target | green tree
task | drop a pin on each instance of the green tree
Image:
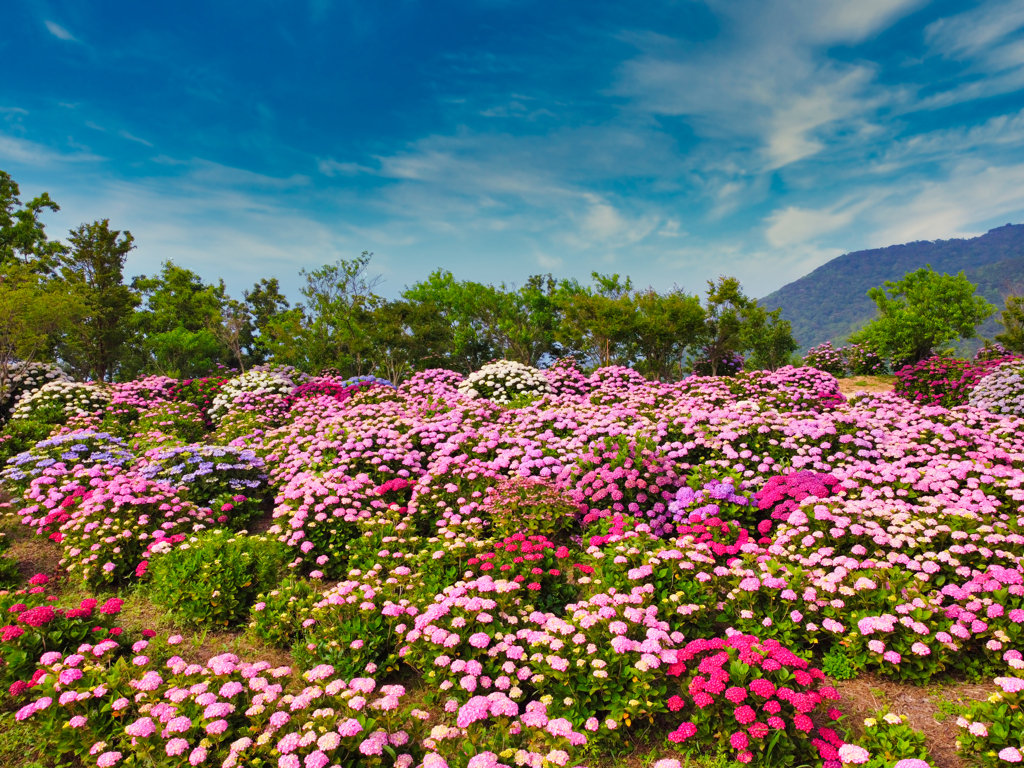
(32, 312)
(726, 308)
(22, 235)
(768, 337)
(464, 307)
(920, 313)
(406, 337)
(665, 327)
(331, 328)
(93, 269)
(1012, 320)
(263, 303)
(599, 321)
(176, 324)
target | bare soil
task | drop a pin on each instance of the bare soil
(856, 384)
(927, 709)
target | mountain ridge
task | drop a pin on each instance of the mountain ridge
(831, 301)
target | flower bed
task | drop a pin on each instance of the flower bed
(569, 572)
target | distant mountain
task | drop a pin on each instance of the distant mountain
(831, 302)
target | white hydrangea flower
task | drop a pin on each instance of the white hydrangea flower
(502, 380)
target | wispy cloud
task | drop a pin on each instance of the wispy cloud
(125, 135)
(59, 32)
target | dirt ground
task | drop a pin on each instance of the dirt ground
(866, 384)
(928, 709)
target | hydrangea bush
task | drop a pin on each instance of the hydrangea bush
(567, 574)
(229, 480)
(504, 381)
(58, 401)
(1002, 390)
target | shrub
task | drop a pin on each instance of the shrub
(25, 377)
(76, 449)
(56, 402)
(535, 562)
(229, 480)
(353, 626)
(991, 350)
(945, 381)
(526, 505)
(107, 532)
(1002, 390)
(224, 712)
(38, 625)
(280, 615)
(696, 502)
(19, 436)
(214, 578)
(253, 382)
(8, 566)
(992, 731)
(737, 692)
(504, 381)
(889, 739)
(862, 360)
(199, 392)
(826, 358)
(566, 378)
(181, 419)
(782, 494)
(729, 365)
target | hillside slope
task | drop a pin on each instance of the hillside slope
(832, 301)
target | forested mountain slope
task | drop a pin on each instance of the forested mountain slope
(831, 301)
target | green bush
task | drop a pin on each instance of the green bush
(889, 739)
(214, 578)
(19, 436)
(278, 615)
(182, 419)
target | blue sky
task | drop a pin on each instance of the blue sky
(672, 141)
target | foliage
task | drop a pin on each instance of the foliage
(1001, 390)
(93, 270)
(826, 358)
(1012, 320)
(26, 377)
(504, 381)
(921, 312)
(229, 480)
(56, 402)
(255, 382)
(220, 708)
(198, 392)
(76, 449)
(992, 731)
(175, 323)
(37, 625)
(863, 360)
(33, 311)
(889, 739)
(945, 381)
(22, 235)
(214, 578)
(181, 420)
(753, 699)
(279, 616)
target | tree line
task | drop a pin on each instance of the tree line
(71, 303)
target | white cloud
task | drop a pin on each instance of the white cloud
(59, 32)
(125, 135)
(32, 153)
(794, 225)
(330, 167)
